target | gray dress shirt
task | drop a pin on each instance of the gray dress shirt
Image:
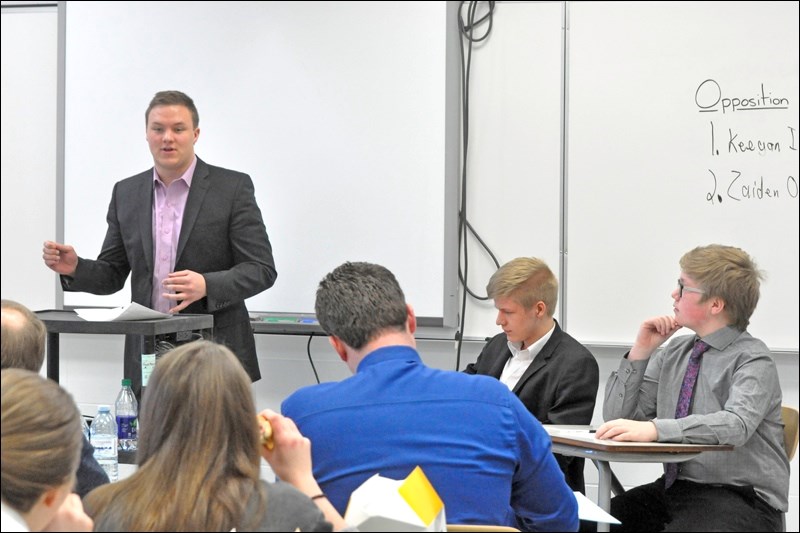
(737, 400)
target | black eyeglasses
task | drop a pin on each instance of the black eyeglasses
(682, 288)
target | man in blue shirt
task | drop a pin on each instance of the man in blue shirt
(488, 458)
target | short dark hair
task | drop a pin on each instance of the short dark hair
(358, 301)
(23, 337)
(173, 98)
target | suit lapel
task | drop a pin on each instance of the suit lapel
(197, 192)
(145, 214)
(541, 359)
(496, 369)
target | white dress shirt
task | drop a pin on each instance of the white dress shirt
(11, 519)
(520, 359)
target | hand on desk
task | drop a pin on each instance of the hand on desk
(623, 429)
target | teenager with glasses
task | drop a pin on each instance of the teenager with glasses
(726, 382)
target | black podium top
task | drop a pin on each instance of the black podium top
(58, 321)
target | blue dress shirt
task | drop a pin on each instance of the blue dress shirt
(488, 458)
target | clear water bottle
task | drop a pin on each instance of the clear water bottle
(126, 410)
(86, 429)
(104, 439)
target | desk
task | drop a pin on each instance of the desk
(58, 322)
(576, 441)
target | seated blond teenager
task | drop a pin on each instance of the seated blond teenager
(199, 457)
(41, 446)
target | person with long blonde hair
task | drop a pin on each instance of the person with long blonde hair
(199, 457)
(41, 447)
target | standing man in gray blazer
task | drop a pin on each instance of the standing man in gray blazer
(190, 234)
(553, 374)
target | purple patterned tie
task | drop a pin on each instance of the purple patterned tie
(685, 399)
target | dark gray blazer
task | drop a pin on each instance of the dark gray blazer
(559, 387)
(222, 237)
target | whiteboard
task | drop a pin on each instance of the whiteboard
(29, 99)
(648, 178)
(337, 110)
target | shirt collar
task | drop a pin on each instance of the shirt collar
(12, 519)
(722, 338)
(533, 350)
(388, 354)
(186, 176)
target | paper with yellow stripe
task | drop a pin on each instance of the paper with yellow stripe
(382, 504)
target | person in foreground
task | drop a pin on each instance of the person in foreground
(199, 457)
(41, 446)
(554, 375)
(23, 342)
(487, 457)
(190, 234)
(736, 400)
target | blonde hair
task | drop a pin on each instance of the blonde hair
(527, 280)
(728, 273)
(198, 455)
(41, 437)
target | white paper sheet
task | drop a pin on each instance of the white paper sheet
(132, 311)
(588, 510)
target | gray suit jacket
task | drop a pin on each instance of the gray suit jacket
(222, 237)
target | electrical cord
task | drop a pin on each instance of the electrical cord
(310, 360)
(467, 33)
(163, 345)
(488, 251)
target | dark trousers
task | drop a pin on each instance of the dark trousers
(689, 506)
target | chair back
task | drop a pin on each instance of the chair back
(478, 527)
(790, 429)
